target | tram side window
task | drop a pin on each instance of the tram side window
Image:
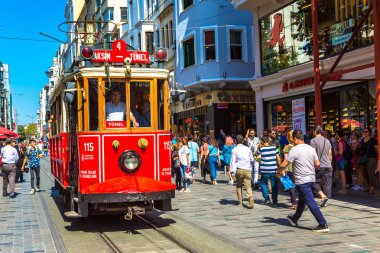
(115, 105)
(93, 93)
(160, 105)
(140, 103)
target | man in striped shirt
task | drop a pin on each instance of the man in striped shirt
(268, 166)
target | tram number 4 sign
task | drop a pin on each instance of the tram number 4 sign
(119, 53)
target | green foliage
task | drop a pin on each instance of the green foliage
(21, 132)
(31, 131)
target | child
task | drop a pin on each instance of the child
(189, 177)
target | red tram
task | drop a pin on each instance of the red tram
(110, 139)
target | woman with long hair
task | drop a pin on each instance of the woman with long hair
(213, 154)
(289, 169)
(340, 146)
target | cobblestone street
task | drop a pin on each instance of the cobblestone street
(353, 220)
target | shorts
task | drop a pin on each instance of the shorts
(194, 164)
(340, 165)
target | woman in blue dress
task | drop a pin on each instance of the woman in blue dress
(213, 154)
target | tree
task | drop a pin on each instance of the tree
(31, 131)
(21, 132)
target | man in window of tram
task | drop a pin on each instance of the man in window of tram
(115, 109)
(143, 114)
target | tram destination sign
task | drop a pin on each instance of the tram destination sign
(119, 53)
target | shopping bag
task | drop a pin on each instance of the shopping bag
(287, 182)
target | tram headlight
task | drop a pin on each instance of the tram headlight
(129, 161)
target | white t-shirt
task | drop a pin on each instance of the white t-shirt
(115, 113)
(303, 157)
(183, 152)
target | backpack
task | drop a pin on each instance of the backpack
(348, 153)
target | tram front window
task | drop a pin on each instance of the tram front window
(140, 103)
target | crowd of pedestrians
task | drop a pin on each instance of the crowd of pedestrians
(17, 159)
(308, 165)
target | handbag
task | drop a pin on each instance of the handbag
(287, 182)
(177, 163)
(364, 159)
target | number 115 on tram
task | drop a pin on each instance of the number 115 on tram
(110, 138)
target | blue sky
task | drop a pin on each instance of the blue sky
(28, 53)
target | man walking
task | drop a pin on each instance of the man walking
(269, 161)
(324, 152)
(34, 155)
(9, 158)
(253, 143)
(241, 166)
(304, 160)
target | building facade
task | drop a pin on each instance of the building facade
(214, 62)
(6, 108)
(285, 85)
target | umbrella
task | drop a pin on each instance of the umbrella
(8, 133)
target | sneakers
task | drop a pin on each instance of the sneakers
(321, 229)
(214, 182)
(266, 202)
(187, 190)
(231, 182)
(292, 221)
(32, 191)
(37, 189)
(357, 188)
(324, 202)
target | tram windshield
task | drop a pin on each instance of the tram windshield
(137, 98)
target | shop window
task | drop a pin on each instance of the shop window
(353, 112)
(189, 52)
(236, 44)
(140, 104)
(209, 40)
(281, 115)
(286, 35)
(330, 112)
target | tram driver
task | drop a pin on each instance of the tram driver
(115, 109)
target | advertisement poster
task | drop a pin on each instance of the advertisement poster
(299, 115)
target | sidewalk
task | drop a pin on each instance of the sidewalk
(23, 223)
(353, 220)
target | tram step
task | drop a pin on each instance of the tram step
(72, 214)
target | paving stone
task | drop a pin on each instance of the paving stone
(266, 229)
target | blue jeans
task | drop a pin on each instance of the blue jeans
(264, 187)
(213, 166)
(185, 182)
(306, 197)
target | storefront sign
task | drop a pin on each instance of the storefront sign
(299, 115)
(235, 98)
(222, 106)
(307, 82)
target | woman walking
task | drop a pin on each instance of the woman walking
(184, 158)
(289, 169)
(214, 159)
(355, 145)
